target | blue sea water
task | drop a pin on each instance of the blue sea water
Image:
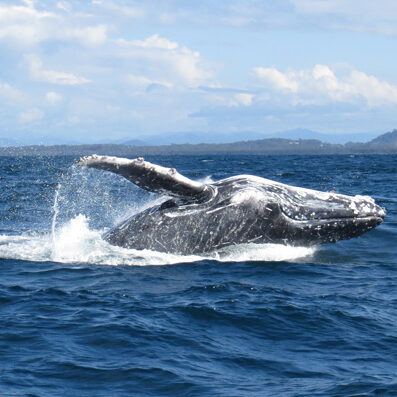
(82, 318)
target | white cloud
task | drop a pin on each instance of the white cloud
(26, 26)
(126, 11)
(23, 23)
(155, 41)
(228, 98)
(279, 80)
(31, 115)
(377, 92)
(90, 35)
(187, 64)
(167, 61)
(64, 6)
(242, 99)
(50, 76)
(321, 84)
(22, 12)
(53, 98)
(10, 94)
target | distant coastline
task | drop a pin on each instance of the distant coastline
(383, 144)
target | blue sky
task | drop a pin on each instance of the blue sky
(109, 69)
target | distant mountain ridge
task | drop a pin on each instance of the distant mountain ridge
(300, 133)
(187, 138)
(210, 137)
(384, 144)
(390, 138)
(192, 138)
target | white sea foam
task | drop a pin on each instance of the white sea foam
(206, 180)
(75, 242)
(87, 202)
(264, 252)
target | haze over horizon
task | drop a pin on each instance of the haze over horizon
(84, 71)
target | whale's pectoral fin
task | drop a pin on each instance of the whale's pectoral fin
(151, 177)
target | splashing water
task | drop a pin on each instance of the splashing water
(88, 202)
(104, 198)
(75, 242)
(56, 211)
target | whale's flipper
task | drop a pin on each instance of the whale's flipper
(151, 177)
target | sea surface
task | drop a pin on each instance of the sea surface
(79, 317)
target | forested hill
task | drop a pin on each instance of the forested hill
(384, 144)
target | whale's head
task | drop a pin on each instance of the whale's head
(328, 217)
(300, 216)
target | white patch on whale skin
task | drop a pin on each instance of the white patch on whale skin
(292, 198)
(249, 194)
(177, 213)
(364, 206)
(261, 183)
(158, 169)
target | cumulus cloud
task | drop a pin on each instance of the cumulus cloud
(277, 79)
(164, 74)
(51, 76)
(322, 84)
(22, 12)
(167, 61)
(188, 65)
(155, 41)
(227, 99)
(23, 23)
(26, 25)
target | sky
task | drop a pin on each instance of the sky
(93, 70)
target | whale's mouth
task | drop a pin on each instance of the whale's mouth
(335, 218)
(312, 215)
(321, 220)
(332, 207)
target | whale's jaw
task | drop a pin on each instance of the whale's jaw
(329, 230)
(338, 217)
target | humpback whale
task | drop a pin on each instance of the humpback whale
(199, 218)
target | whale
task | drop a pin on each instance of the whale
(197, 217)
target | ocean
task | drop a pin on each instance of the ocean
(80, 317)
